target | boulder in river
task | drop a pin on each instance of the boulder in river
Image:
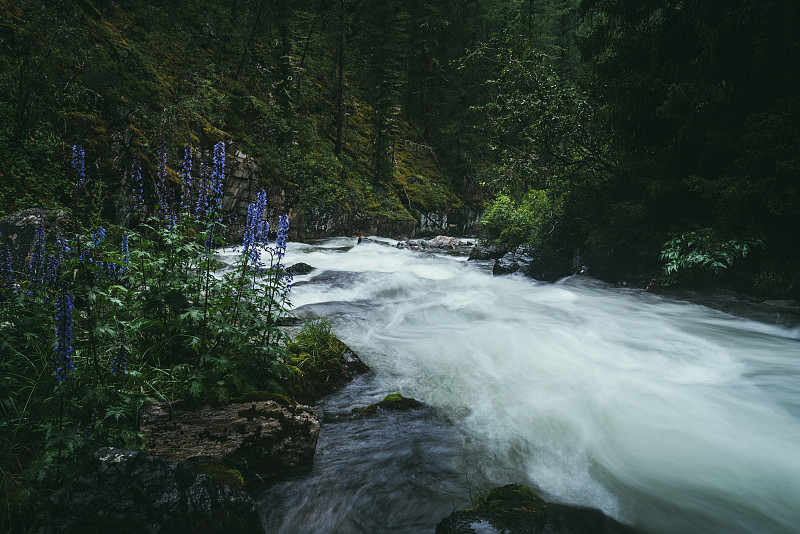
(300, 268)
(486, 252)
(517, 509)
(443, 241)
(125, 491)
(533, 262)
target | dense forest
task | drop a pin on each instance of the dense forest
(605, 132)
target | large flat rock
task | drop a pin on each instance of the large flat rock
(264, 438)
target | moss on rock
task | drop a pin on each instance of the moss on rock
(393, 401)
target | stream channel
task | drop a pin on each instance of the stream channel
(670, 413)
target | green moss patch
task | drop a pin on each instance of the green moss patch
(393, 401)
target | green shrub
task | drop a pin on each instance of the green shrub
(511, 224)
(702, 252)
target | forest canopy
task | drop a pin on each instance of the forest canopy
(640, 121)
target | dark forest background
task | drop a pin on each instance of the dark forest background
(610, 132)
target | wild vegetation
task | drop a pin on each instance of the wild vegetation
(100, 321)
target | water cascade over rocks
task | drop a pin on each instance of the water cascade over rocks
(666, 414)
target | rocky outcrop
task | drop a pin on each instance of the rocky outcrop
(130, 492)
(267, 439)
(517, 509)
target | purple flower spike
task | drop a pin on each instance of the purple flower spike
(282, 237)
(64, 349)
(188, 163)
(79, 164)
(36, 267)
(136, 176)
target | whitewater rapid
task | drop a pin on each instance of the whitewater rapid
(665, 414)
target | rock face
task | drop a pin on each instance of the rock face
(264, 438)
(18, 232)
(516, 509)
(127, 491)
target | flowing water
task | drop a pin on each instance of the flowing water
(666, 414)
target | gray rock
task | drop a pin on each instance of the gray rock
(301, 268)
(506, 264)
(443, 241)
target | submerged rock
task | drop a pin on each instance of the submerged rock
(300, 268)
(394, 402)
(268, 438)
(127, 491)
(517, 509)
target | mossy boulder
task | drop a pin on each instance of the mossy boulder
(517, 509)
(393, 402)
(216, 469)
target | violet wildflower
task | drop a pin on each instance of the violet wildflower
(256, 232)
(188, 160)
(79, 164)
(36, 267)
(202, 206)
(218, 176)
(64, 349)
(288, 279)
(126, 252)
(163, 190)
(56, 260)
(136, 178)
(98, 236)
(282, 237)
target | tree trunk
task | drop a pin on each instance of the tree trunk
(340, 83)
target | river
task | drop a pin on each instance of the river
(670, 415)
